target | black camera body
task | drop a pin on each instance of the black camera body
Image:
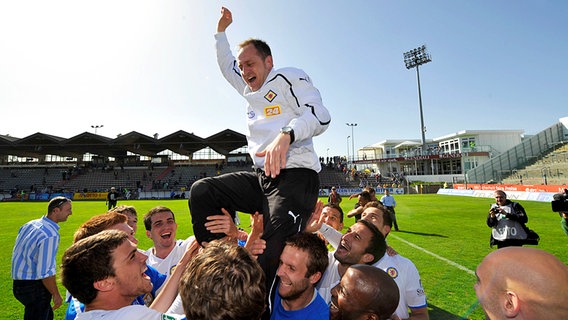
(560, 202)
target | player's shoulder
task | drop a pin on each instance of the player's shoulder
(293, 74)
(404, 262)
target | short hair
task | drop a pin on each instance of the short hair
(261, 47)
(387, 220)
(316, 249)
(365, 195)
(377, 244)
(223, 282)
(125, 209)
(98, 223)
(56, 202)
(382, 290)
(90, 260)
(148, 216)
(500, 192)
(370, 190)
(336, 207)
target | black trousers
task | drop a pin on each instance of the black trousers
(286, 203)
(35, 297)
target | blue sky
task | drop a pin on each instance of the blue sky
(149, 66)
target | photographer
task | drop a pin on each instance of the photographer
(560, 205)
(507, 220)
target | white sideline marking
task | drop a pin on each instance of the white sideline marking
(450, 262)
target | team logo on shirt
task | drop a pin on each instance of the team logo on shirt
(251, 114)
(271, 111)
(392, 272)
(270, 95)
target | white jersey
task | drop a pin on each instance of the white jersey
(127, 313)
(406, 276)
(287, 98)
(329, 279)
(168, 264)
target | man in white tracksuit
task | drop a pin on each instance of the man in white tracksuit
(284, 112)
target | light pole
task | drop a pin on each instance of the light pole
(96, 127)
(352, 140)
(348, 151)
(415, 58)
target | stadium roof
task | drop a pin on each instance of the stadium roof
(181, 142)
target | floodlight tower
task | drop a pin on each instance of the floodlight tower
(415, 58)
(352, 141)
(97, 126)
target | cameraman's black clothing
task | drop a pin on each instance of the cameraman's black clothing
(517, 213)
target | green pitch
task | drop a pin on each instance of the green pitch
(445, 236)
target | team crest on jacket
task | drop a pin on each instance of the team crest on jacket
(270, 95)
(392, 272)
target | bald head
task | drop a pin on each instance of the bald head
(522, 283)
(364, 290)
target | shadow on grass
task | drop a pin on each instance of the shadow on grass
(441, 314)
(420, 233)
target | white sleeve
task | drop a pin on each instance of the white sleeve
(331, 235)
(415, 295)
(314, 118)
(227, 63)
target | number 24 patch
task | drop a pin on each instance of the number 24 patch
(271, 111)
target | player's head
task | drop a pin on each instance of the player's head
(365, 292)
(106, 221)
(130, 213)
(223, 282)
(362, 243)
(161, 226)
(379, 216)
(105, 265)
(333, 216)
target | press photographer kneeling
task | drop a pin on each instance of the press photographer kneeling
(507, 220)
(560, 205)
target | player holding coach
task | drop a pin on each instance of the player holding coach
(284, 112)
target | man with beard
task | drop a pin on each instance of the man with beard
(362, 244)
(302, 264)
(522, 283)
(364, 292)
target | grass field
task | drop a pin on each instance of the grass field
(445, 236)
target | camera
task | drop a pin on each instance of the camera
(560, 202)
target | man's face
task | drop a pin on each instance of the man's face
(129, 265)
(485, 289)
(375, 216)
(62, 212)
(500, 199)
(126, 228)
(332, 217)
(164, 229)
(254, 69)
(292, 273)
(132, 221)
(353, 245)
(346, 298)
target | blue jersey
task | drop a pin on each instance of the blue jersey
(316, 310)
